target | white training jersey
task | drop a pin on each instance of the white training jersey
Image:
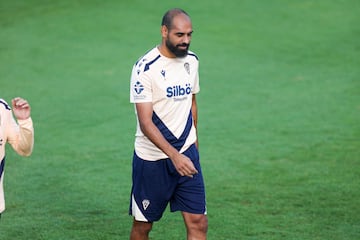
(20, 136)
(169, 84)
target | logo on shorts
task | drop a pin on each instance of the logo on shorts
(145, 203)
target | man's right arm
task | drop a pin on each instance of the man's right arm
(183, 164)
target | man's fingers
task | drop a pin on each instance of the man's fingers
(185, 166)
(188, 172)
(192, 173)
(20, 103)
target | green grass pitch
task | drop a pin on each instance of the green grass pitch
(279, 116)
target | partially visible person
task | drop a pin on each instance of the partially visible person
(18, 132)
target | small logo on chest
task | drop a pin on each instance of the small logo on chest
(163, 73)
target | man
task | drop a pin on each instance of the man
(19, 135)
(166, 166)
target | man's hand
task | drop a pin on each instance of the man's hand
(21, 108)
(184, 166)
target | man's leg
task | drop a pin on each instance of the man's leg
(140, 230)
(196, 226)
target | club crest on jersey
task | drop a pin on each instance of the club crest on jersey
(138, 87)
(187, 67)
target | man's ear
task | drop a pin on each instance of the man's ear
(164, 31)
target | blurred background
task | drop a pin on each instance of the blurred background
(279, 112)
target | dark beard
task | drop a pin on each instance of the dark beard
(175, 49)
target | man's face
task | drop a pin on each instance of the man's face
(179, 36)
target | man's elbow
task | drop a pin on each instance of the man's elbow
(143, 127)
(25, 152)
(25, 149)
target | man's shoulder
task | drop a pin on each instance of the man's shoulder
(4, 104)
(147, 60)
(148, 56)
(193, 56)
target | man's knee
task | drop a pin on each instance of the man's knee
(142, 228)
(202, 223)
(197, 222)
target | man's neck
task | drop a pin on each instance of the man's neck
(165, 51)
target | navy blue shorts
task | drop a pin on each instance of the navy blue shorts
(157, 183)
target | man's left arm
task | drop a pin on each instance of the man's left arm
(195, 117)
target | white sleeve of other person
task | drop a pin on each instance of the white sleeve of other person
(20, 135)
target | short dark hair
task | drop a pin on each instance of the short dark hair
(169, 16)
